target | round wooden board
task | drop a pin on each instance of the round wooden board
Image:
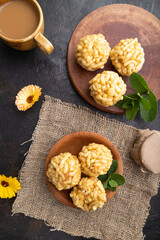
(73, 143)
(116, 22)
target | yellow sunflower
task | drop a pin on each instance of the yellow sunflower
(27, 96)
(8, 186)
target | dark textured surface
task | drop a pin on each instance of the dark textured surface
(18, 69)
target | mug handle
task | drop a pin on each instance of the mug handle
(43, 43)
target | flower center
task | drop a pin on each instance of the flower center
(4, 184)
(30, 99)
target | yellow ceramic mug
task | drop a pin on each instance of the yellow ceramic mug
(35, 39)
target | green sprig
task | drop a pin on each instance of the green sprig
(143, 100)
(111, 179)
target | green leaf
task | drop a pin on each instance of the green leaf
(113, 167)
(103, 178)
(133, 96)
(112, 189)
(105, 185)
(146, 104)
(118, 178)
(126, 105)
(126, 100)
(113, 183)
(149, 115)
(132, 111)
(120, 103)
(138, 83)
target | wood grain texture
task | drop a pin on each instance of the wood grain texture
(117, 22)
(19, 69)
(73, 143)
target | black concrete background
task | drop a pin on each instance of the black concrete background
(18, 69)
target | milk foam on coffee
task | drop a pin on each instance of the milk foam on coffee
(18, 19)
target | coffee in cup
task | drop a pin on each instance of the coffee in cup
(22, 25)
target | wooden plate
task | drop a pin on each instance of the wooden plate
(73, 143)
(116, 22)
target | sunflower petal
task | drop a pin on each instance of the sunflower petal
(9, 190)
(27, 96)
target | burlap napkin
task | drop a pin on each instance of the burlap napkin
(123, 216)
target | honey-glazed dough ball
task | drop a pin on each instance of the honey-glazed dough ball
(107, 88)
(92, 52)
(95, 159)
(89, 194)
(127, 56)
(64, 171)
